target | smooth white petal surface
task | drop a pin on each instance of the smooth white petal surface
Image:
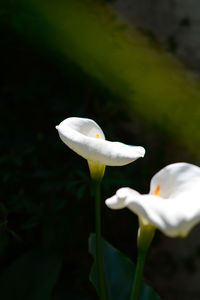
(86, 138)
(175, 179)
(176, 210)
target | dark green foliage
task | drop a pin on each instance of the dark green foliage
(31, 276)
(119, 273)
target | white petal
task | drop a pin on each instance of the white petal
(81, 134)
(175, 179)
(174, 217)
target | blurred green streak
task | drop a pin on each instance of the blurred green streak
(152, 83)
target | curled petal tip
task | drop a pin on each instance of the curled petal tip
(115, 203)
(119, 200)
(121, 194)
(142, 151)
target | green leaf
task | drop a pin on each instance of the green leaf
(119, 273)
(31, 277)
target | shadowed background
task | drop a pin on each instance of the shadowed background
(77, 58)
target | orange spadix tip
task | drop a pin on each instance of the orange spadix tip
(157, 190)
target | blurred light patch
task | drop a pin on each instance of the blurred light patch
(151, 82)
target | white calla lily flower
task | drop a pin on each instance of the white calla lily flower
(173, 203)
(85, 137)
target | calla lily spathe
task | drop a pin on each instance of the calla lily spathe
(173, 203)
(86, 138)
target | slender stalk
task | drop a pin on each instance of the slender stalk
(99, 256)
(138, 275)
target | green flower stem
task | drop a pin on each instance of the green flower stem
(138, 275)
(145, 236)
(99, 256)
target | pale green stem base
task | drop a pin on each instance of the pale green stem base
(135, 294)
(99, 256)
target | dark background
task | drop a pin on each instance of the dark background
(46, 209)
